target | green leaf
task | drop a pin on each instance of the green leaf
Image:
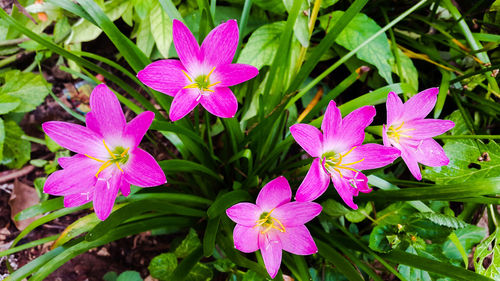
(38, 183)
(301, 27)
(378, 238)
(227, 200)
(464, 162)
(110, 276)
(129, 276)
(210, 236)
(262, 45)
(468, 237)
(31, 89)
(334, 208)
(2, 138)
(377, 52)
(145, 40)
(161, 29)
(275, 6)
(8, 103)
(188, 245)
(200, 272)
(483, 251)
(16, 151)
(441, 219)
(409, 71)
(412, 273)
(360, 214)
(162, 266)
(179, 165)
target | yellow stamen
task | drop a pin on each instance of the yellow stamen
(396, 133)
(109, 150)
(213, 84)
(208, 90)
(119, 168)
(208, 75)
(271, 225)
(124, 152)
(189, 78)
(93, 158)
(103, 166)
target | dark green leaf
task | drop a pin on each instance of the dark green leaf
(188, 245)
(162, 266)
(16, 151)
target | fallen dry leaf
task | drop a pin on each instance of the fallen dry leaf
(22, 197)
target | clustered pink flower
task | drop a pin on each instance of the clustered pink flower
(108, 158)
(408, 131)
(274, 224)
(339, 154)
(203, 74)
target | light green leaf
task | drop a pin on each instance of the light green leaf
(162, 266)
(377, 52)
(31, 89)
(145, 40)
(275, 6)
(16, 151)
(360, 214)
(188, 245)
(301, 27)
(8, 103)
(334, 208)
(483, 251)
(468, 237)
(2, 138)
(262, 45)
(409, 71)
(129, 276)
(412, 273)
(161, 28)
(441, 219)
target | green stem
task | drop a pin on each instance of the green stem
(243, 23)
(8, 60)
(33, 139)
(488, 137)
(352, 53)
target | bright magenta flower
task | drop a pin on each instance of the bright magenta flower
(274, 224)
(340, 155)
(408, 131)
(107, 158)
(203, 74)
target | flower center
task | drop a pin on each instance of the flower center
(118, 156)
(398, 132)
(267, 222)
(201, 82)
(332, 162)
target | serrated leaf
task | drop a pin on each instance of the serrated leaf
(441, 219)
(31, 89)
(262, 45)
(468, 237)
(16, 151)
(162, 266)
(483, 251)
(377, 52)
(161, 29)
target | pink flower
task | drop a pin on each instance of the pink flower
(340, 154)
(408, 131)
(107, 158)
(274, 224)
(203, 74)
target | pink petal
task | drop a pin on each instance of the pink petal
(371, 156)
(137, 127)
(331, 127)
(430, 153)
(296, 213)
(65, 162)
(297, 240)
(385, 138)
(314, 184)
(394, 107)
(274, 194)
(221, 102)
(408, 155)
(419, 106)
(246, 214)
(78, 199)
(76, 138)
(345, 190)
(164, 76)
(183, 103)
(186, 46)
(246, 238)
(270, 247)
(105, 194)
(219, 46)
(357, 180)
(233, 74)
(354, 124)
(107, 112)
(78, 177)
(309, 138)
(124, 187)
(93, 124)
(427, 128)
(142, 169)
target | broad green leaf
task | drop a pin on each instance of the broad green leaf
(409, 71)
(379, 238)
(129, 275)
(465, 162)
(377, 52)
(200, 272)
(275, 6)
(161, 29)
(8, 103)
(262, 45)
(483, 251)
(145, 40)
(31, 89)
(334, 208)
(441, 219)
(162, 266)
(188, 245)
(412, 273)
(16, 151)
(468, 236)
(301, 27)
(360, 214)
